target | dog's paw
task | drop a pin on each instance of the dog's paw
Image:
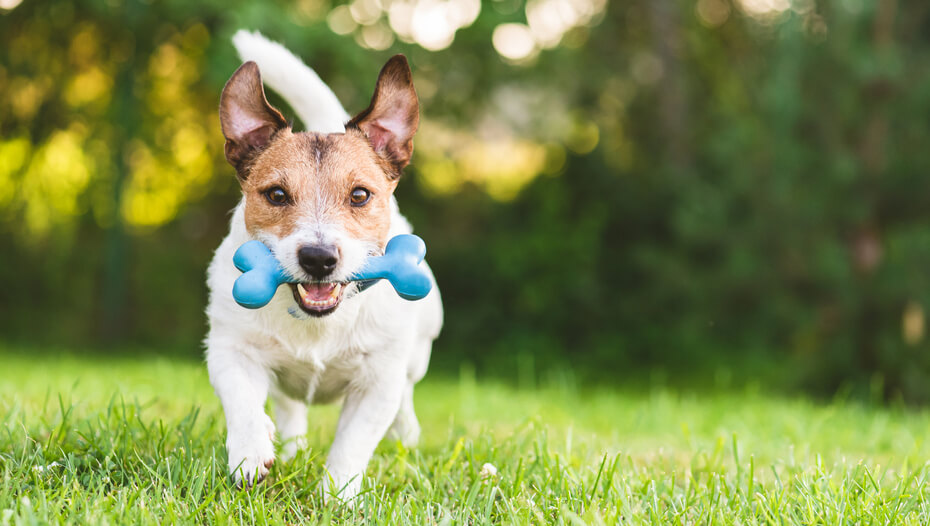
(251, 471)
(251, 454)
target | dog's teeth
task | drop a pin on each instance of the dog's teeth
(308, 300)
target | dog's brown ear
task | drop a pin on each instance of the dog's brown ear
(248, 121)
(393, 115)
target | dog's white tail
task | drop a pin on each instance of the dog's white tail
(315, 104)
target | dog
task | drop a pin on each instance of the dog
(322, 201)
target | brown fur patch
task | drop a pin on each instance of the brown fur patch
(318, 172)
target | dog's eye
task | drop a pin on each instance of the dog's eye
(276, 196)
(359, 196)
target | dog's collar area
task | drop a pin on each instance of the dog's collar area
(362, 286)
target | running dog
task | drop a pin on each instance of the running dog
(322, 201)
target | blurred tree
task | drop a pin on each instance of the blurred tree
(691, 186)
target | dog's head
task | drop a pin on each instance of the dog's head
(321, 202)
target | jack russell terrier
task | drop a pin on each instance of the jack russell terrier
(322, 201)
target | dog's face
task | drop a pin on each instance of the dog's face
(321, 202)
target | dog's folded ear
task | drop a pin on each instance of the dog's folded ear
(248, 121)
(392, 118)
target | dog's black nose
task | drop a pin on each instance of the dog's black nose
(318, 261)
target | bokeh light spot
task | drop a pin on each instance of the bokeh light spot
(376, 36)
(764, 8)
(712, 13)
(340, 20)
(513, 41)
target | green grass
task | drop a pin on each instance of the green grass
(127, 441)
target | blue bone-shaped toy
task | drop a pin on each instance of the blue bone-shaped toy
(400, 265)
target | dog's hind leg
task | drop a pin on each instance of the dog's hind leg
(291, 418)
(406, 427)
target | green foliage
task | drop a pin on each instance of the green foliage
(674, 186)
(140, 440)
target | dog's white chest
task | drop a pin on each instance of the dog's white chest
(317, 382)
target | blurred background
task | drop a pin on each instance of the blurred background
(716, 192)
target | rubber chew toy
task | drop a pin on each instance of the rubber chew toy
(261, 275)
(400, 265)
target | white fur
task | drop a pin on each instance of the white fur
(315, 104)
(369, 352)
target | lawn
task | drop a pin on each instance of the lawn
(140, 440)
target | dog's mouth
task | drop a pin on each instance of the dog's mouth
(318, 298)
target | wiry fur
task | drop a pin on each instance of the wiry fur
(371, 350)
(315, 104)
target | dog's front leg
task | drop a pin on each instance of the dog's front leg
(366, 415)
(242, 387)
